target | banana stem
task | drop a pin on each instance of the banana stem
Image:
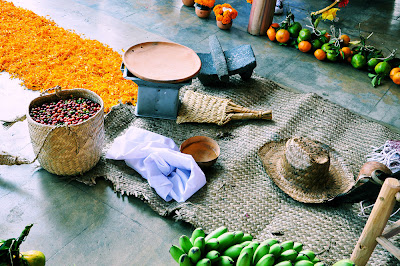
(326, 8)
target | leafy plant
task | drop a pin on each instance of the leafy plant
(9, 249)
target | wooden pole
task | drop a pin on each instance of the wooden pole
(376, 222)
(261, 15)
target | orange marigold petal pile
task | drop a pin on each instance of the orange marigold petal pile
(43, 55)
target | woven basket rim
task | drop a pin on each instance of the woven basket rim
(64, 92)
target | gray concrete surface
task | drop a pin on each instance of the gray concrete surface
(79, 225)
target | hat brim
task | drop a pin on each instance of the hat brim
(339, 179)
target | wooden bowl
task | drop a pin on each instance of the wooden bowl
(204, 150)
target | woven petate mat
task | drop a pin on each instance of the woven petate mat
(238, 193)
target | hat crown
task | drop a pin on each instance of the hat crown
(306, 161)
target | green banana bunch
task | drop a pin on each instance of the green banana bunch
(222, 247)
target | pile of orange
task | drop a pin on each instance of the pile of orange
(321, 47)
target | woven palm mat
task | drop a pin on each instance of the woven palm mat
(238, 193)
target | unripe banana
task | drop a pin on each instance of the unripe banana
(315, 260)
(216, 233)
(184, 242)
(200, 243)
(238, 237)
(289, 254)
(213, 255)
(244, 259)
(233, 251)
(224, 261)
(194, 254)
(176, 252)
(249, 249)
(270, 241)
(276, 250)
(212, 244)
(247, 237)
(287, 245)
(345, 262)
(197, 233)
(284, 263)
(298, 246)
(204, 262)
(320, 264)
(225, 240)
(254, 245)
(260, 252)
(245, 243)
(266, 260)
(306, 255)
(184, 260)
(303, 263)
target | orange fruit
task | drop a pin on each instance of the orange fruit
(271, 33)
(394, 71)
(305, 46)
(346, 39)
(346, 51)
(320, 54)
(282, 36)
(396, 78)
(274, 25)
(349, 58)
(328, 37)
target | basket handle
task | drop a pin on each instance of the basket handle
(56, 89)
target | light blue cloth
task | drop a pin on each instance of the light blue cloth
(173, 175)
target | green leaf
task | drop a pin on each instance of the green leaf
(371, 75)
(379, 80)
(373, 82)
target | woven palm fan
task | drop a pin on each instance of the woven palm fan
(201, 108)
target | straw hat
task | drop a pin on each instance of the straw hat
(306, 170)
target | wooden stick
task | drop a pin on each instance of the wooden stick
(261, 15)
(376, 222)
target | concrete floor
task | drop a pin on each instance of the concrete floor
(80, 225)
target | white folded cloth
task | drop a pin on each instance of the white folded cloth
(173, 175)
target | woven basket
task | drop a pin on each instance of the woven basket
(68, 150)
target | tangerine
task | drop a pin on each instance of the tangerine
(34, 258)
(282, 36)
(274, 25)
(394, 71)
(271, 33)
(345, 52)
(305, 46)
(383, 68)
(346, 39)
(396, 78)
(320, 54)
